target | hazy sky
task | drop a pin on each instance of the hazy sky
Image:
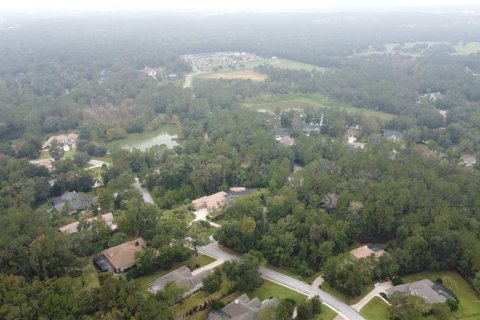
(218, 5)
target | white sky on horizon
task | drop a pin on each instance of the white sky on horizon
(221, 5)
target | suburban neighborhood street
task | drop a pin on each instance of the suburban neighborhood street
(347, 312)
(147, 197)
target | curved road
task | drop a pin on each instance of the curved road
(213, 250)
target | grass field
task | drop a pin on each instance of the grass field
(302, 101)
(461, 49)
(469, 307)
(468, 48)
(237, 74)
(375, 309)
(295, 65)
(270, 289)
(247, 71)
(44, 154)
(334, 292)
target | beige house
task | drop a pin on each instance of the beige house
(367, 250)
(73, 227)
(46, 163)
(212, 202)
(122, 257)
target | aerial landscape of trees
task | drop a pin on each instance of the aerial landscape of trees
(82, 75)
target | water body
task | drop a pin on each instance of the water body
(164, 138)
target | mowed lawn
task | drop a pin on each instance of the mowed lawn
(237, 74)
(469, 307)
(341, 296)
(270, 289)
(375, 309)
(303, 101)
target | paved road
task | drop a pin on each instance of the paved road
(147, 197)
(343, 309)
(188, 81)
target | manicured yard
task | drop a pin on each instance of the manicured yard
(290, 64)
(469, 307)
(236, 74)
(334, 292)
(44, 154)
(201, 260)
(327, 314)
(292, 274)
(270, 289)
(302, 101)
(376, 309)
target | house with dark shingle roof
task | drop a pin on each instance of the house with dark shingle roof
(243, 308)
(393, 134)
(182, 277)
(432, 292)
(71, 202)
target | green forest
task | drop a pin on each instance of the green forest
(417, 195)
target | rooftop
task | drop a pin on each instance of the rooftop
(72, 202)
(392, 134)
(181, 276)
(367, 250)
(432, 292)
(242, 309)
(211, 202)
(73, 227)
(122, 256)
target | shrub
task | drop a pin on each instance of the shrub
(217, 305)
(453, 304)
(397, 281)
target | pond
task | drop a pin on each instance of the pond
(142, 141)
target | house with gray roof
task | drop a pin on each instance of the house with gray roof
(71, 202)
(393, 134)
(243, 309)
(432, 292)
(182, 277)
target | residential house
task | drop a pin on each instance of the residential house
(242, 308)
(392, 134)
(468, 160)
(66, 141)
(367, 251)
(46, 163)
(182, 277)
(71, 202)
(150, 72)
(432, 292)
(212, 203)
(236, 192)
(120, 258)
(312, 128)
(282, 136)
(73, 227)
